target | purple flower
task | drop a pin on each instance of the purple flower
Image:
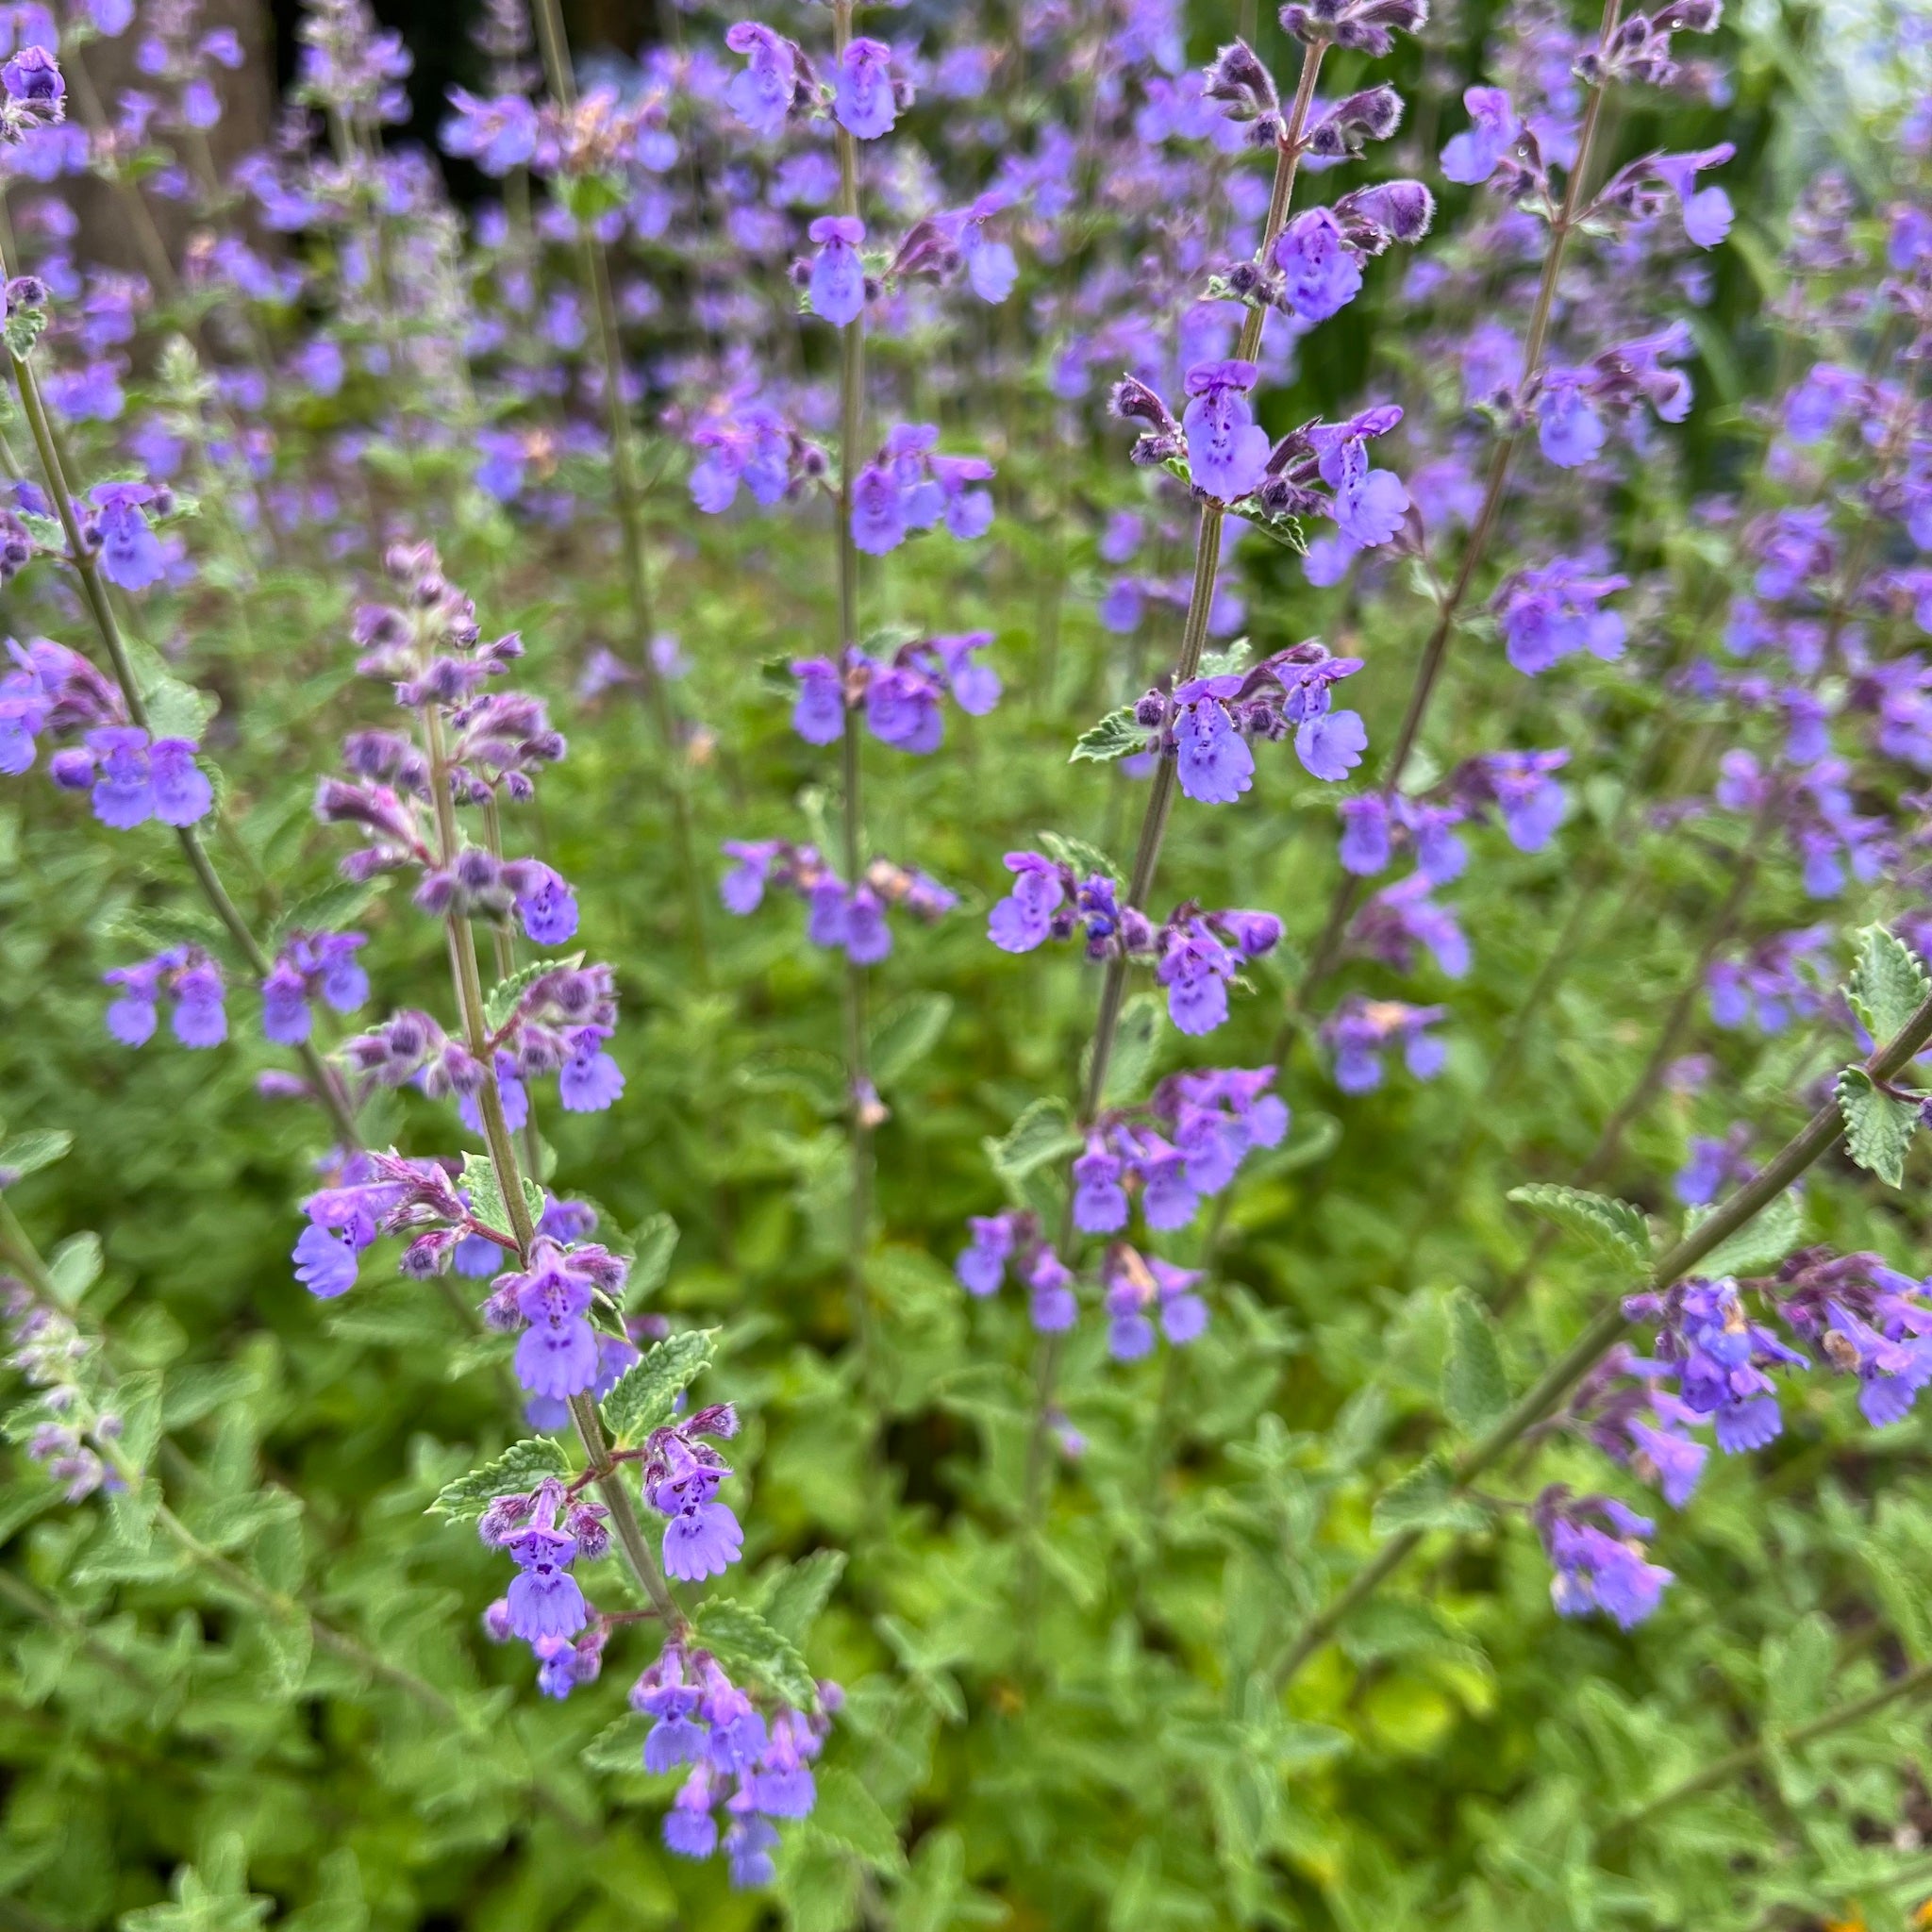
(124, 794)
(182, 794)
(1212, 760)
(1100, 1202)
(1569, 431)
(1471, 158)
(878, 511)
(1051, 1306)
(543, 1597)
(1708, 210)
(981, 1267)
(1365, 842)
(762, 95)
(1195, 969)
(702, 1539)
(1330, 747)
(743, 887)
(837, 277)
(590, 1080)
(864, 98)
(1227, 451)
(1024, 919)
(131, 554)
(1548, 614)
(324, 1257)
(1323, 273)
(1595, 1568)
(498, 134)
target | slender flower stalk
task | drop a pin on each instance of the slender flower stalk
(323, 1080)
(468, 983)
(861, 1099)
(1326, 951)
(1207, 536)
(1820, 1134)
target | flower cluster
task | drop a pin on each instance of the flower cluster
(1194, 953)
(558, 1022)
(190, 979)
(1361, 1030)
(909, 488)
(751, 1771)
(545, 1533)
(746, 441)
(1206, 723)
(850, 918)
(559, 1351)
(900, 695)
(1601, 1564)
(1552, 612)
(682, 1473)
(311, 965)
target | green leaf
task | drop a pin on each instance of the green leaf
(1613, 1227)
(618, 1746)
(1228, 659)
(478, 1181)
(1879, 1129)
(1136, 1040)
(852, 1817)
(328, 908)
(744, 1642)
(1424, 1499)
(25, 1154)
(1087, 860)
(1117, 736)
(73, 1267)
(177, 710)
(1887, 984)
(1044, 1132)
(1760, 1245)
(516, 1471)
(646, 1398)
(1475, 1388)
(500, 1002)
(792, 1597)
(139, 1401)
(21, 329)
(655, 1237)
(907, 1032)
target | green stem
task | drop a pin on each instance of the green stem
(325, 1087)
(1825, 1129)
(1326, 951)
(1154, 820)
(861, 1102)
(467, 983)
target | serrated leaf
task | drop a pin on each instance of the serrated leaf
(479, 1182)
(790, 1599)
(907, 1032)
(73, 1267)
(745, 1643)
(329, 908)
(138, 1402)
(1760, 1245)
(1879, 1129)
(1136, 1040)
(646, 1397)
(848, 1815)
(25, 1154)
(1424, 1499)
(179, 710)
(654, 1240)
(618, 1746)
(1475, 1388)
(516, 1471)
(1086, 860)
(1226, 661)
(1612, 1228)
(1887, 984)
(500, 1002)
(1117, 736)
(1044, 1132)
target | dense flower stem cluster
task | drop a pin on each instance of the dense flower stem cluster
(1326, 950)
(323, 1084)
(861, 1099)
(1825, 1129)
(1208, 535)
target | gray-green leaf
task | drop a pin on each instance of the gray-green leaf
(1117, 736)
(907, 1032)
(515, 1473)
(1475, 1388)
(1760, 1245)
(1613, 1227)
(1887, 984)
(1879, 1129)
(646, 1398)
(1424, 1499)
(746, 1644)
